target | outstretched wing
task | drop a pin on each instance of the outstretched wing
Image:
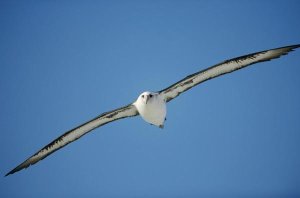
(225, 67)
(74, 134)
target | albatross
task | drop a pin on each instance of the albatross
(151, 106)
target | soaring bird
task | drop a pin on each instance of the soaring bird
(151, 106)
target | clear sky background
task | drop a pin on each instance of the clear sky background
(65, 62)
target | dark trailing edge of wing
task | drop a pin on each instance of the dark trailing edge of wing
(108, 114)
(189, 80)
(237, 60)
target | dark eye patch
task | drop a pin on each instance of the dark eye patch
(150, 95)
(142, 96)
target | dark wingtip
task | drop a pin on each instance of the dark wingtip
(11, 172)
(292, 47)
(23, 165)
(296, 46)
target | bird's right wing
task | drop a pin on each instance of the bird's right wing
(74, 134)
(225, 67)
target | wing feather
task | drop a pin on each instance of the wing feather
(74, 134)
(225, 67)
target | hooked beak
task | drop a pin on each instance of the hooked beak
(146, 99)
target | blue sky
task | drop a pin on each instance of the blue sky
(63, 63)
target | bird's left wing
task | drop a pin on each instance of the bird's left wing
(74, 134)
(222, 68)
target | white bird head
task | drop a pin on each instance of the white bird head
(146, 96)
(152, 107)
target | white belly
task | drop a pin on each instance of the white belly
(154, 111)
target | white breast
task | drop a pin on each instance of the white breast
(154, 111)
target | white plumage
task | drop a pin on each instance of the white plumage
(152, 105)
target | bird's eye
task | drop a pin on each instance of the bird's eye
(142, 96)
(150, 95)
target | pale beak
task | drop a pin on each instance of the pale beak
(147, 98)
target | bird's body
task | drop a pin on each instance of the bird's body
(152, 105)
